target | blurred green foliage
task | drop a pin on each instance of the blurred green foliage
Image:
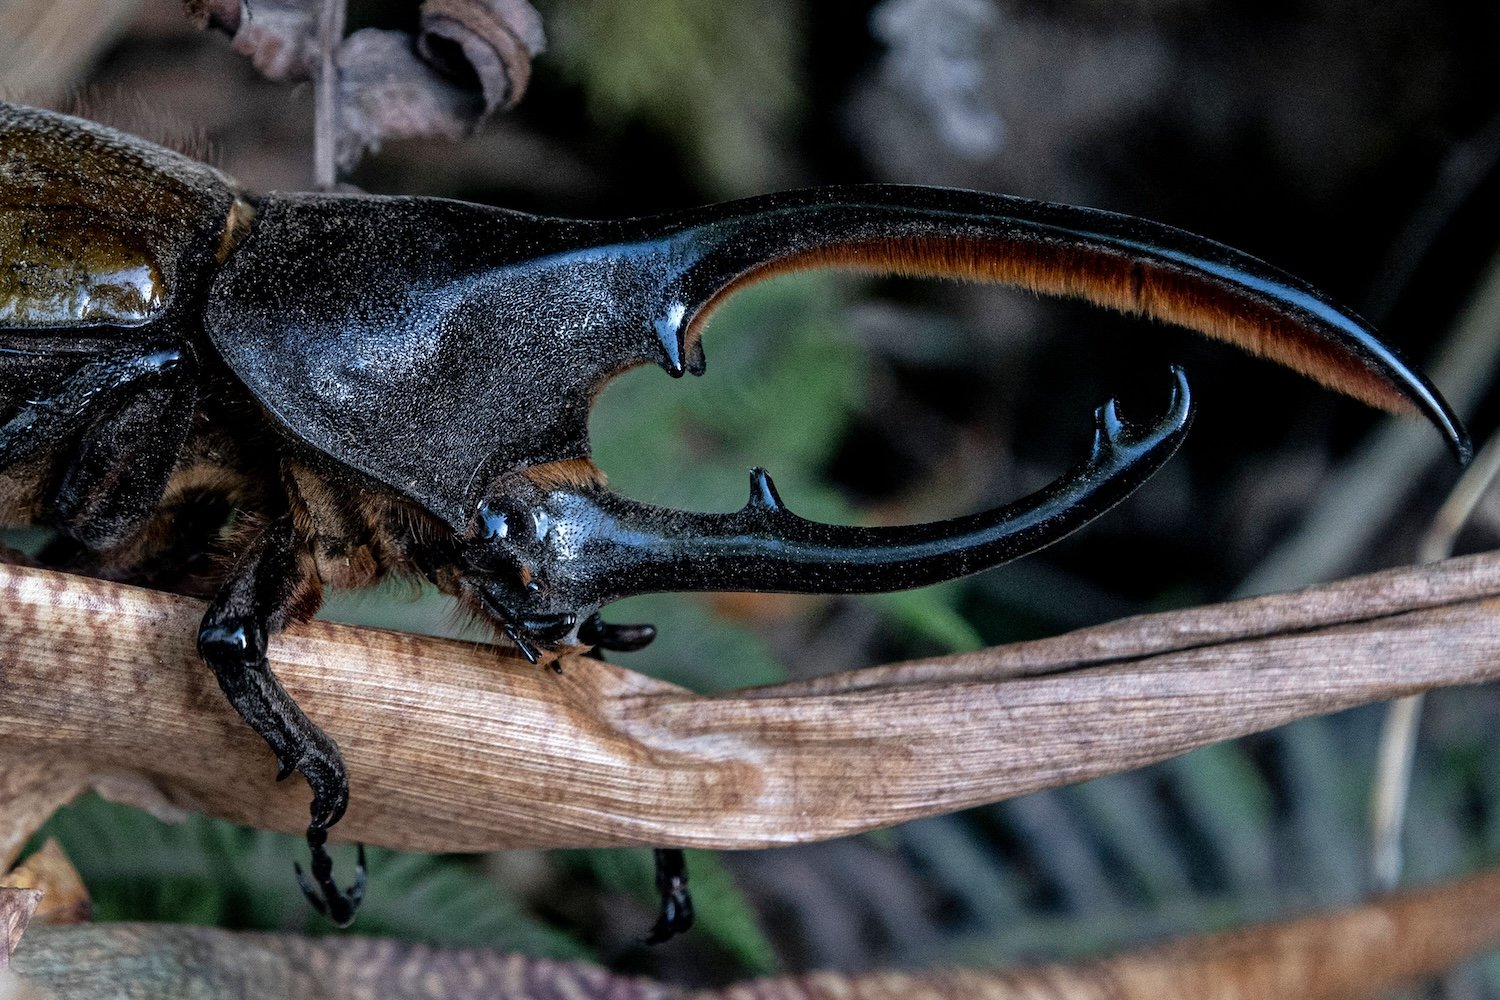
(205, 871)
(722, 913)
(719, 77)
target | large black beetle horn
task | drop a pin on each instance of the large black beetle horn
(1117, 261)
(583, 546)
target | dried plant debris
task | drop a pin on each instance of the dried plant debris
(613, 757)
(16, 909)
(1362, 950)
(65, 900)
(468, 59)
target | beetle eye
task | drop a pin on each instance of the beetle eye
(492, 522)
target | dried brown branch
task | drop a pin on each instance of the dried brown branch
(1358, 952)
(457, 747)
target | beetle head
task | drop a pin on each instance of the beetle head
(514, 557)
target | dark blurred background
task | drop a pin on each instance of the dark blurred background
(1353, 144)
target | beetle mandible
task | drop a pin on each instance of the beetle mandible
(177, 355)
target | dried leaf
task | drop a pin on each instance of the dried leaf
(387, 92)
(470, 58)
(64, 898)
(453, 747)
(280, 37)
(495, 38)
(30, 792)
(1357, 952)
(16, 909)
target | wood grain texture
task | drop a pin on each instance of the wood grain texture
(457, 747)
(1362, 951)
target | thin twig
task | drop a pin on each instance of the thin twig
(326, 105)
(1398, 734)
(1354, 505)
(1362, 951)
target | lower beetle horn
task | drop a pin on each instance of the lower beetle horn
(612, 547)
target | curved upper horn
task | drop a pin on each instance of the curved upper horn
(1117, 261)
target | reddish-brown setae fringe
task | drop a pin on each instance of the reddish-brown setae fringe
(568, 474)
(1126, 284)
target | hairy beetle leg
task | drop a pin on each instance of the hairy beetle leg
(676, 915)
(271, 587)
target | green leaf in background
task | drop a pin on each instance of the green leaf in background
(719, 76)
(206, 871)
(784, 378)
(929, 614)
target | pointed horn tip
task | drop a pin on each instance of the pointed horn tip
(1111, 431)
(763, 495)
(671, 337)
(1460, 444)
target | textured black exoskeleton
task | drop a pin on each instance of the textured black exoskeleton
(357, 386)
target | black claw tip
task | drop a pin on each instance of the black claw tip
(676, 915)
(361, 879)
(676, 918)
(521, 644)
(309, 891)
(325, 896)
(597, 632)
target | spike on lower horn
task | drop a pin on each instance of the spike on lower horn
(763, 495)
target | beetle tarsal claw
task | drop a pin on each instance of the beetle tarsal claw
(676, 916)
(595, 631)
(527, 649)
(325, 896)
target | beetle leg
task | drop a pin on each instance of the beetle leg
(116, 479)
(597, 632)
(40, 423)
(275, 584)
(676, 916)
(676, 904)
(15, 557)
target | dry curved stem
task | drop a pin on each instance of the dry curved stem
(1362, 951)
(456, 747)
(1398, 734)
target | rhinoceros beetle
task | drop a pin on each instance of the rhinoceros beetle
(333, 389)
